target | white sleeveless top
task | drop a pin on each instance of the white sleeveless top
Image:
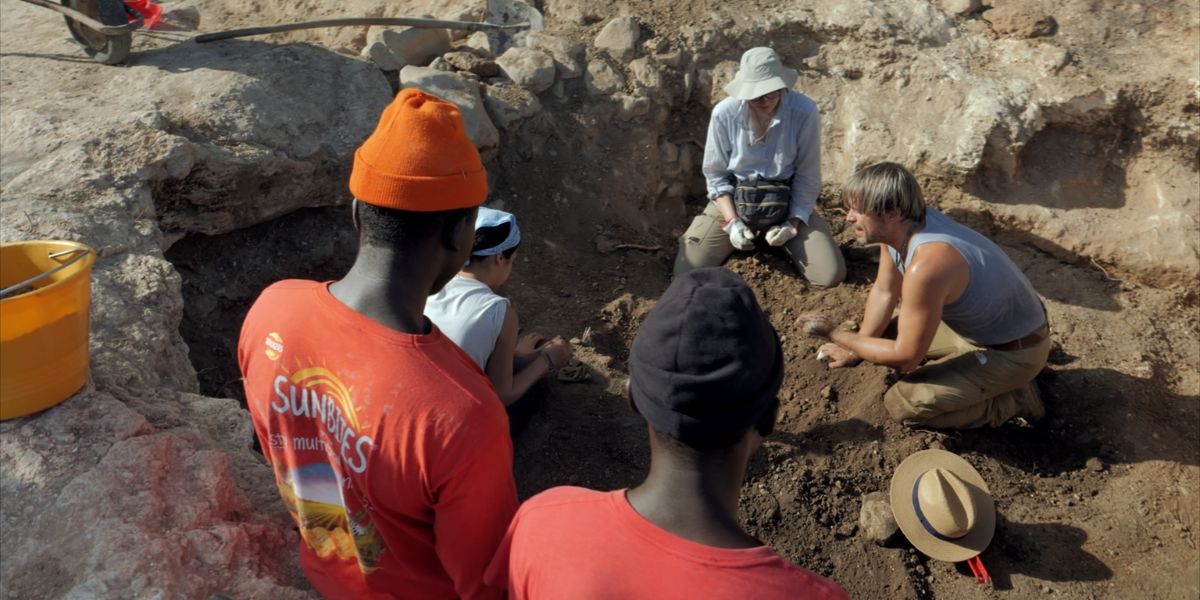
(470, 314)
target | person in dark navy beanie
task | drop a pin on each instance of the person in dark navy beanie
(706, 363)
(705, 371)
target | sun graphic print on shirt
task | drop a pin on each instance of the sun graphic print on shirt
(313, 496)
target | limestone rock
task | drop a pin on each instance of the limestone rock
(633, 107)
(511, 12)
(383, 58)
(916, 21)
(959, 8)
(464, 94)
(480, 44)
(414, 45)
(529, 68)
(647, 77)
(602, 79)
(1020, 19)
(469, 15)
(619, 38)
(875, 520)
(472, 63)
(508, 105)
(568, 55)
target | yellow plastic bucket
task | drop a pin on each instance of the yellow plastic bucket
(45, 287)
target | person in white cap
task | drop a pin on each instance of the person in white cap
(485, 324)
(762, 162)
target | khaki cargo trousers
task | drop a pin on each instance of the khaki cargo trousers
(813, 250)
(967, 386)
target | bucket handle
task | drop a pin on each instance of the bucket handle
(78, 252)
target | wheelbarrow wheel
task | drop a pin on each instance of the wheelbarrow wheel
(106, 49)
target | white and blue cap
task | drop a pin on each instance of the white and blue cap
(490, 217)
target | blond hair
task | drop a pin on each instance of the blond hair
(882, 188)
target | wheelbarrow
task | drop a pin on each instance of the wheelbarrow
(103, 27)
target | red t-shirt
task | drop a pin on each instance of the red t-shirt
(391, 451)
(570, 542)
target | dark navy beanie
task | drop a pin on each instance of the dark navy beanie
(706, 364)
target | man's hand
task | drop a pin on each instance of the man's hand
(837, 356)
(781, 234)
(528, 344)
(815, 325)
(739, 235)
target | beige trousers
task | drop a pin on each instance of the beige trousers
(813, 250)
(967, 386)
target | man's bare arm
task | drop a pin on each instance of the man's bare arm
(881, 301)
(884, 295)
(937, 274)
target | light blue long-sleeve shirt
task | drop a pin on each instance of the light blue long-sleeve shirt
(790, 149)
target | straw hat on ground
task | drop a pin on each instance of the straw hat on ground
(942, 505)
(760, 73)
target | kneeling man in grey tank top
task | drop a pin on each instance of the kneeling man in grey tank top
(963, 304)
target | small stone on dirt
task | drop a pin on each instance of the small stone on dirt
(875, 520)
(1094, 464)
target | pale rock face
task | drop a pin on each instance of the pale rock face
(647, 77)
(875, 520)
(959, 8)
(480, 43)
(619, 38)
(512, 12)
(464, 93)
(568, 55)
(469, 15)
(383, 58)
(508, 105)
(602, 79)
(917, 21)
(415, 46)
(633, 107)
(529, 68)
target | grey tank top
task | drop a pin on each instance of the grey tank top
(999, 304)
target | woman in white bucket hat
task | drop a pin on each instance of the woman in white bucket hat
(762, 162)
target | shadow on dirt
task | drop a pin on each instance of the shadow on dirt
(1045, 551)
(1094, 414)
(825, 437)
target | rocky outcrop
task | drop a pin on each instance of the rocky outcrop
(135, 486)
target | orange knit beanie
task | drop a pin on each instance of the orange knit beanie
(419, 158)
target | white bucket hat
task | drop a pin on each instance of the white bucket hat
(943, 506)
(760, 73)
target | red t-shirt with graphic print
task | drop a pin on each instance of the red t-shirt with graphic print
(390, 450)
(570, 542)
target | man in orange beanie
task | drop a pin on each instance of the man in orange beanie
(389, 446)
